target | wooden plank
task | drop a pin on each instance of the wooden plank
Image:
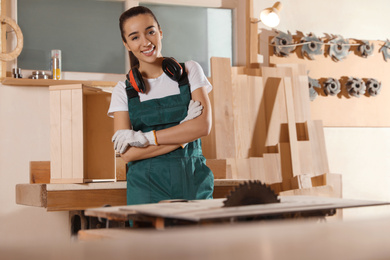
(272, 168)
(301, 96)
(257, 118)
(302, 181)
(25, 82)
(286, 165)
(209, 142)
(257, 168)
(317, 140)
(55, 135)
(82, 199)
(77, 134)
(31, 195)
(243, 168)
(292, 131)
(66, 135)
(40, 172)
(224, 120)
(100, 163)
(69, 196)
(120, 168)
(218, 167)
(241, 110)
(306, 157)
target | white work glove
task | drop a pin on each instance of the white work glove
(124, 138)
(194, 110)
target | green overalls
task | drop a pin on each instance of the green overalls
(180, 174)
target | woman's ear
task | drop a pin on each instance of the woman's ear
(126, 46)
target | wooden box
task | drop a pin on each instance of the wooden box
(80, 135)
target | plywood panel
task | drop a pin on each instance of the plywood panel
(223, 111)
(99, 130)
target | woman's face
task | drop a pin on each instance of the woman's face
(143, 37)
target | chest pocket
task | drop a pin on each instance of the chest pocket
(160, 116)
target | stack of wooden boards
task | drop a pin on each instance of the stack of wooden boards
(262, 130)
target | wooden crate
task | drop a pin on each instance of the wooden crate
(80, 147)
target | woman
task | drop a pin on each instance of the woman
(160, 113)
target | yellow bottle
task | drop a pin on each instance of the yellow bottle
(56, 67)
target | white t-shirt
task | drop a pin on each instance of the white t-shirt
(159, 87)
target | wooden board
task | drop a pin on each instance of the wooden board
(224, 118)
(65, 197)
(203, 210)
(40, 172)
(51, 82)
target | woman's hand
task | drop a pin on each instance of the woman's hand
(194, 110)
(124, 138)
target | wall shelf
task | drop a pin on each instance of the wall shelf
(51, 82)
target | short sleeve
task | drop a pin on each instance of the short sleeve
(118, 99)
(196, 76)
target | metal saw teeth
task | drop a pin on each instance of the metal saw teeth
(250, 193)
(385, 49)
(313, 46)
(339, 48)
(283, 44)
(366, 49)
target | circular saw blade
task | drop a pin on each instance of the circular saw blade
(385, 49)
(339, 48)
(312, 47)
(251, 193)
(283, 44)
(366, 49)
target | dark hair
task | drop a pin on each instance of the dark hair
(134, 11)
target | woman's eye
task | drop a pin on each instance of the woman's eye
(152, 32)
(134, 38)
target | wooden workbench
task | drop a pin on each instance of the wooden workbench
(67, 197)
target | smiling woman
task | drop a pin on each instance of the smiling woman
(160, 113)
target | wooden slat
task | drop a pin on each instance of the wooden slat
(55, 135)
(224, 120)
(66, 135)
(317, 140)
(40, 172)
(120, 169)
(292, 131)
(272, 168)
(51, 82)
(77, 134)
(257, 120)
